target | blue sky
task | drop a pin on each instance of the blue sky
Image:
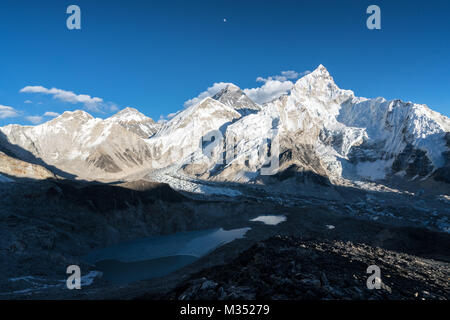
(155, 56)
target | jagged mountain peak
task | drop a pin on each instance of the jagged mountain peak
(232, 87)
(235, 98)
(319, 75)
(321, 70)
(200, 115)
(77, 113)
(210, 105)
(131, 115)
(135, 121)
(74, 115)
(320, 86)
(229, 89)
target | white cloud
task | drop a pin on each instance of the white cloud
(90, 103)
(28, 101)
(39, 119)
(290, 74)
(273, 87)
(270, 90)
(113, 107)
(34, 119)
(284, 76)
(215, 88)
(8, 112)
(163, 118)
(51, 114)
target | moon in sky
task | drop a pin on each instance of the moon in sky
(224, 20)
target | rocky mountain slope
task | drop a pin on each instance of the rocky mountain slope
(234, 97)
(81, 145)
(290, 268)
(20, 169)
(318, 134)
(180, 139)
(134, 121)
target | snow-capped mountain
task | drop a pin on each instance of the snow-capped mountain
(134, 121)
(180, 138)
(327, 130)
(78, 144)
(321, 129)
(318, 131)
(234, 97)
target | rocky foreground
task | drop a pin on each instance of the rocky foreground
(323, 253)
(291, 268)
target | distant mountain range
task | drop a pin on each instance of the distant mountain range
(317, 133)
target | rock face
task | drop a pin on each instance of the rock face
(234, 97)
(21, 169)
(289, 268)
(134, 121)
(443, 173)
(325, 133)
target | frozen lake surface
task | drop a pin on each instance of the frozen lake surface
(271, 220)
(158, 256)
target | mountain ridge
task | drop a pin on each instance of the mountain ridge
(317, 127)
